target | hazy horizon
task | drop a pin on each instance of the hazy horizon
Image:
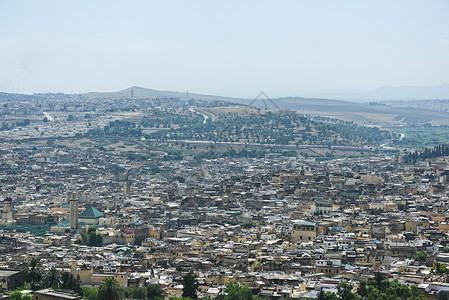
(229, 48)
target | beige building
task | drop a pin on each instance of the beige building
(303, 231)
(6, 213)
(121, 277)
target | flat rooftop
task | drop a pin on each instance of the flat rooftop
(6, 273)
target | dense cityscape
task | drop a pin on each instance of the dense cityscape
(224, 150)
(106, 189)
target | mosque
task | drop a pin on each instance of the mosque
(90, 216)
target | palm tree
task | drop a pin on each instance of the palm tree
(53, 278)
(33, 274)
(109, 289)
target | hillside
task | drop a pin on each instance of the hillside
(278, 128)
(372, 113)
(363, 113)
(140, 92)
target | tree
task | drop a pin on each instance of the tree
(27, 296)
(381, 288)
(378, 277)
(90, 293)
(139, 293)
(321, 295)
(109, 289)
(78, 285)
(127, 292)
(92, 238)
(234, 291)
(439, 268)
(190, 285)
(18, 295)
(33, 274)
(95, 239)
(70, 282)
(420, 256)
(52, 279)
(66, 280)
(362, 290)
(326, 295)
(345, 291)
(154, 291)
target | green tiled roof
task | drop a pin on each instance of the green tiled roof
(38, 230)
(91, 213)
(65, 223)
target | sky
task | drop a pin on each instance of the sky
(230, 48)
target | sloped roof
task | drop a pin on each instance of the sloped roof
(91, 213)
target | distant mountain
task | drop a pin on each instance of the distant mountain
(390, 93)
(383, 93)
(411, 92)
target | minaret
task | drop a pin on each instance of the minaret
(73, 212)
(7, 213)
(126, 187)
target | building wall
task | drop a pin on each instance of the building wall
(12, 280)
(411, 226)
(303, 233)
(85, 275)
(121, 277)
(93, 221)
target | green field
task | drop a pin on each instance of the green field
(421, 137)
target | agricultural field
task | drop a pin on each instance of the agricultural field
(415, 137)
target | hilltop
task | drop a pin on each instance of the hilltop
(369, 113)
(140, 92)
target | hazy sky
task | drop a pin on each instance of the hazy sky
(234, 48)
